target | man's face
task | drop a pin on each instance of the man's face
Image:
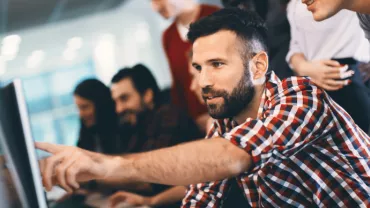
(168, 8)
(129, 102)
(226, 84)
(323, 9)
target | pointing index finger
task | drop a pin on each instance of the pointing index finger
(48, 147)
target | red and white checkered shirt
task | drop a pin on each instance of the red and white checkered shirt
(306, 152)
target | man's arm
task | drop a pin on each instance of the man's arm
(189, 163)
(201, 161)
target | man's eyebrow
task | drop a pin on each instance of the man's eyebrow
(216, 60)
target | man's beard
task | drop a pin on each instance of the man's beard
(234, 102)
(124, 118)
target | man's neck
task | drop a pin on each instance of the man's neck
(360, 6)
(189, 15)
(252, 109)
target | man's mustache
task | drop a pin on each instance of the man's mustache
(210, 92)
(127, 112)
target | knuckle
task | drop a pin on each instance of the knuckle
(70, 172)
(59, 170)
(49, 160)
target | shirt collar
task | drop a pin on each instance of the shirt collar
(272, 83)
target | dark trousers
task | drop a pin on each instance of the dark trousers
(354, 98)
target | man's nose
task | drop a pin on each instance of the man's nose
(205, 78)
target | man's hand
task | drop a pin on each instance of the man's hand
(70, 165)
(129, 198)
(326, 73)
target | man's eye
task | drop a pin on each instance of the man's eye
(217, 64)
(197, 67)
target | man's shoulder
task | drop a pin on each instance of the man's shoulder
(290, 87)
(273, 83)
(294, 82)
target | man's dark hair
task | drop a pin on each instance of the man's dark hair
(142, 80)
(248, 26)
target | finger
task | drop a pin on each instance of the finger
(330, 88)
(41, 165)
(339, 75)
(343, 68)
(331, 63)
(61, 174)
(48, 171)
(117, 198)
(336, 83)
(347, 74)
(71, 173)
(332, 70)
(48, 147)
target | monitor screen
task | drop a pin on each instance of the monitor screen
(18, 145)
(10, 191)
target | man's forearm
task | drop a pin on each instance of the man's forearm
(189, 163)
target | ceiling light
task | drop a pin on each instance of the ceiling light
(12, 40)
(35, 59)
(69, 54)
(75, 43)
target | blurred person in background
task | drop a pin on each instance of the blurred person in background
(98, 123)
(329, 52)
(176, 47)
(147, 124)
(278, 36)
(98, 119)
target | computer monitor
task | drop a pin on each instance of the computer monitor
(18, 146)
(10, 188)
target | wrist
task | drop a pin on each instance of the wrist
(302, 68)
(118, 168)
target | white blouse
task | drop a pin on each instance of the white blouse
(337, 37)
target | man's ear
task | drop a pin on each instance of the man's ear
(260, 65)
(149, 97)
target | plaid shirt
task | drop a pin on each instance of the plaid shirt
(306, 152)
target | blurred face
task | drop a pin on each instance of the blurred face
(323, 9)
(129, 102)
(86, 110)
(169, 8)
(226, 84)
